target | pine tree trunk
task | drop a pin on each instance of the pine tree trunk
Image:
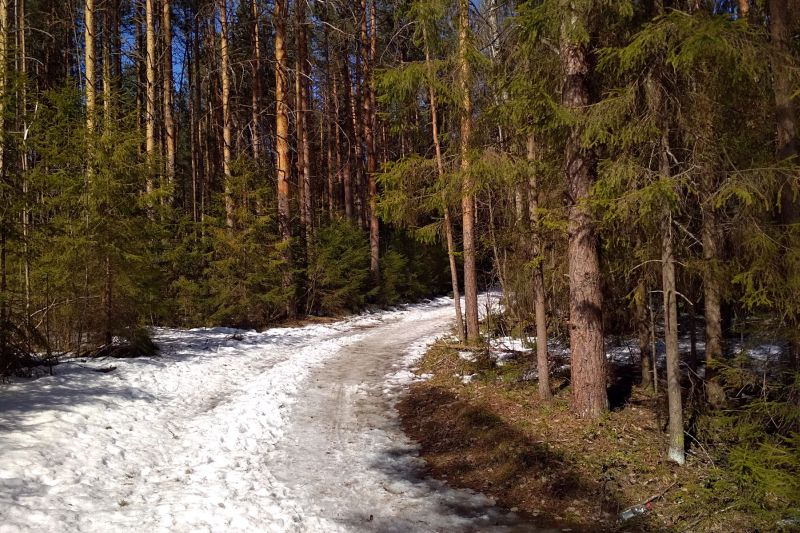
(448, 223)
(342, 160)
(255, 93)
(350, 170)
(150, 97)
(107, 81)
(327, 132)
(369, 141)
(355, 140)
(90, 59)
(167, 92)
(586, 311)
(468, 183)
(643, 333)
(711, 284)
(788, 145)
(301, 121)
(539, 303)
(22, 53)
(282, 164)
(225, 75)
(676, 444)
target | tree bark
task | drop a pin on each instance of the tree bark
(676, 444)
(150, 95)
(90, 60)
(225, 65)
(674, 399)
(788, 145)
(711, 283)
(350, 169)
(255, 93)
(539, 303)
(167, 92)
(785, 109)
(282, 164)
(586, 320)
(369, 141)
(468, 182)
(643, 333)
(301, 121)
(448, 223)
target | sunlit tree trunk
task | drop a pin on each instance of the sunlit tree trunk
(539, 304)
(347, 168)
(255, 94)
(448, 223)
(225, 75)
(586, 303)
(22, 54)
(282, 163)
(150, 96)
(468, 183)
(167, 92)
(301, 121)
(90, 60)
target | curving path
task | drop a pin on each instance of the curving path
(291, 429)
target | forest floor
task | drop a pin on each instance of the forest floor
(481, 425)
(290, 429)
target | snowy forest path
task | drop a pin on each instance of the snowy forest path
(291, 429)
(345, 454)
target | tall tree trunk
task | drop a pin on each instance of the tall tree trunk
(643, 333)
(327, 132)
(586, 304)
(369, 141)
(539, 307)
(301, 121)
(225, 74)
(170, 141)
(22, 52)
(355, 94)
(107, 67)
(676, 444)
(255, 94)
(448, 223)
(282, 164)
(468, 182)
(90, 60)
(150, 97)
(347, 169)
(788, 146)
(785, 108)
(711, 279)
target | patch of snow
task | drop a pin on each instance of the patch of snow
(191, 440)
(469, 378)
(467, 356)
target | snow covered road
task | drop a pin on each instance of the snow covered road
(291, 429)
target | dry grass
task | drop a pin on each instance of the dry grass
(496, 436)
